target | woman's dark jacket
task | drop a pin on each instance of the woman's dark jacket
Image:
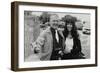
(76, 51)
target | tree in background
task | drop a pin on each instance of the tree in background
(69, 18)
(44, 17)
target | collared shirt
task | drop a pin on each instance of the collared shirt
(56, 36)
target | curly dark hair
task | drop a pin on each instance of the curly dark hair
(74, 32)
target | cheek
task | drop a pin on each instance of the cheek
(69, 26)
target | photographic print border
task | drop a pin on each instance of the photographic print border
(15, 34)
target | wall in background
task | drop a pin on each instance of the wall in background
(5, 36)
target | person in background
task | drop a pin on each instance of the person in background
(60, 29)
(73, 48)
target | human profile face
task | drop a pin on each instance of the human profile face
(69, 26)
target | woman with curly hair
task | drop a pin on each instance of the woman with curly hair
(72, 48)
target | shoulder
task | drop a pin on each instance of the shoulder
(45, 32)
(77, 40)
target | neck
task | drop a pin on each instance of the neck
(69, 35)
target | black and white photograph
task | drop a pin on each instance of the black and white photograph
(53, 36)
(56, 36)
